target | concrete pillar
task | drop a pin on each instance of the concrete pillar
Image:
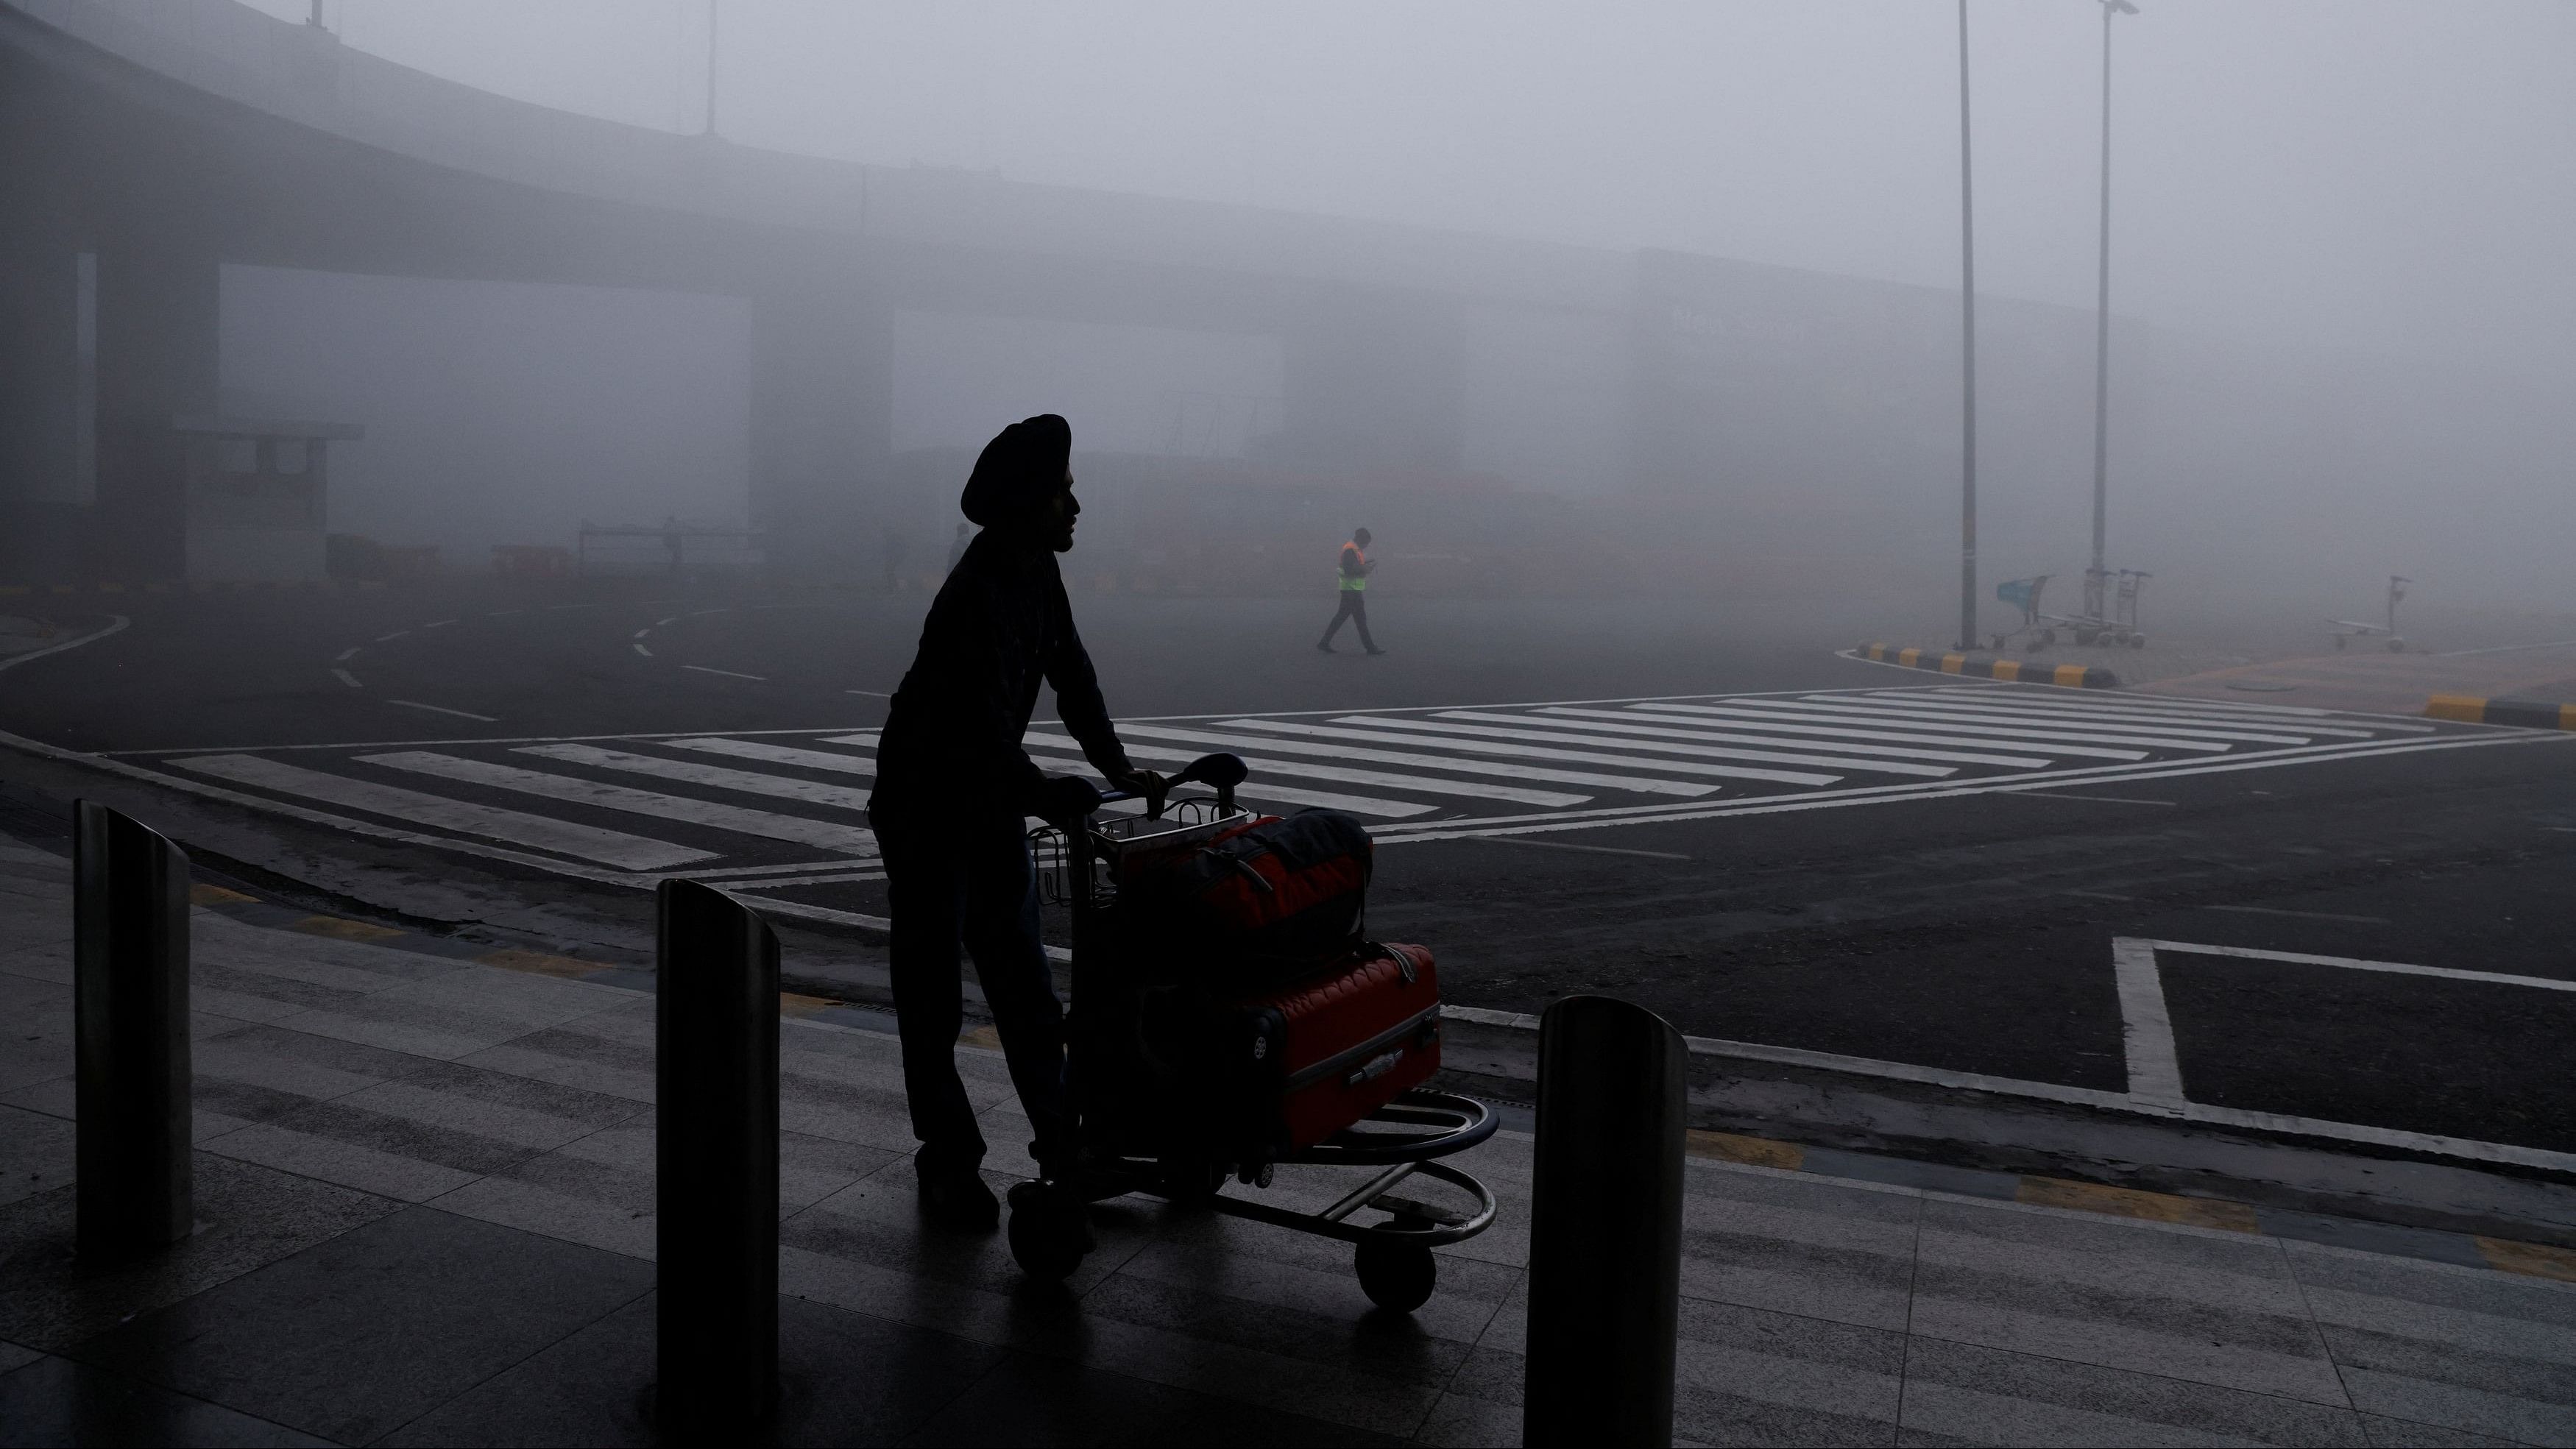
(44, 477)
(1377, 383)
(822, 417)
(159, 306)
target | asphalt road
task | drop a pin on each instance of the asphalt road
(1921, 918)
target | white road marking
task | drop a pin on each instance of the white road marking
(640, 633)
(837, 764)
(2117, 717)
(640, 649)
(749, 782)
(1634, 783)
(115, 622)
(1586, 849)
(2052, 717)
(345, 655)
(2146, 1028)
(828, 877)
(1965, 721)
(590, 842)
(847, 839)
(870, 693)
(2351, 963)
(442, 709)
(2300, 915)
(2105, 799)
(1260, 789)
(728, 673)
(441, 624)
(1345, 775)
(1562, 735)
(2029, 737)
(666, 623)
(1601, 719)
(398, 633)
(345, 677)
(1530, 752)
(1799, 724)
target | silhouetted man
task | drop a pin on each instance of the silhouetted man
(1352, 578)
(953, 786)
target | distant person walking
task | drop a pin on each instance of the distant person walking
(1351, 578)
(957, 549)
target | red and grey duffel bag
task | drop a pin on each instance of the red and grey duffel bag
(1275, 893)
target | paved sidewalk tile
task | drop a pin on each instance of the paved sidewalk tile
(429, 1193)
(355, 1337)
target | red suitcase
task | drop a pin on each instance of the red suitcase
(1335, 1047)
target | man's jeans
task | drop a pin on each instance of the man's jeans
(964, 877)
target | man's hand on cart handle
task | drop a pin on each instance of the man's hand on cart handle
(1146, 784)
(1066, 801)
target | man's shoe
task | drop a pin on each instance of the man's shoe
(1324, 648)
(959, 1200)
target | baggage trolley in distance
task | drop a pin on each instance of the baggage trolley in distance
(1171, 1129)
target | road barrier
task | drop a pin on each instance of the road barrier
(2070, 676)
(2530, 713)
(716, 1114)
(130, 1025)
(1605, 1226)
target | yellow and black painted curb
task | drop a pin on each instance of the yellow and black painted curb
(2529, 713)
(173, 586)
(2468, 1250)
(2070, 676)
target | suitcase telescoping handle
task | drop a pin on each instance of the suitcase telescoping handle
(1222, 771)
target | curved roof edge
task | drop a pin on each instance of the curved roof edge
(304, 75)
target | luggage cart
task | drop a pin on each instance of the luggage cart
(2347, 630)
(1129, 1149)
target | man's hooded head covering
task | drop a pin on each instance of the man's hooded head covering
(1021, 466)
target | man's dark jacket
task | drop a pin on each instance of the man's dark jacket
(1000, 626)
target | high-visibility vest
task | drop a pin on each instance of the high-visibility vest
(1350, 582)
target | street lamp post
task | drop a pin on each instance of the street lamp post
(2097, 577)
(1967, 363)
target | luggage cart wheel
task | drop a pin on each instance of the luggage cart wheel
(1046, 1233)
(1397, 1277)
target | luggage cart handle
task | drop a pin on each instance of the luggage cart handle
(1222, 771)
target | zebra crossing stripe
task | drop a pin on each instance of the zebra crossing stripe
(749, 782)
(1601, 719)
(1871, 729)
(1257, 788)
(1423, 783)
(1535, 752)
(540, 832)
(2178, 729)
(845, 839)
(1641, 784)
(826, 760)
(2085, 710)
(1564, 734)
(2040, 728)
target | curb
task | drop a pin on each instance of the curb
(2069, 676)
(2528, 713)
(2456, 1247)
(271, 586)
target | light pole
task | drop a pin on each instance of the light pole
(711, 67)
(2097, 577)
(1967, 363)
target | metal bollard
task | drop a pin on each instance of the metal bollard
(1605, 1227)
(716, 1095)
(130, 1027)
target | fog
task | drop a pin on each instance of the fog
(2344, 335)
